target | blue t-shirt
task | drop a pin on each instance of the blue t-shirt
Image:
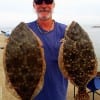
(55, 86)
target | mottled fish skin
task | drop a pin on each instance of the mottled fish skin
(76, 33)
(77, 59)
(24, 63)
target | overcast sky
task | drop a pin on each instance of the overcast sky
(84, 11)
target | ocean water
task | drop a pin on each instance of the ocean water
(94, 34)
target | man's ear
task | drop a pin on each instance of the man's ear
(33, 5)
(54, 5)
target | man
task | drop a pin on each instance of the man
(50, 33)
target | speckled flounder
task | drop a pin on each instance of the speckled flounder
(77, 59)
(24, 63)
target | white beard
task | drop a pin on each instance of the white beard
(40, 16)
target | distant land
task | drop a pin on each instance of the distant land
(96, 26)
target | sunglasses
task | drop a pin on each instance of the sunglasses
(38, 2)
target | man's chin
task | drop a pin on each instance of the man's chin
(44, 17)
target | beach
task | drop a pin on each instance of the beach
(6, 95)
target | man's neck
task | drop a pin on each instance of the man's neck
(46, 25)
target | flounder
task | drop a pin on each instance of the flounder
(24, 63)
(77, 59)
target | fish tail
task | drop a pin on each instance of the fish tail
(82, 95)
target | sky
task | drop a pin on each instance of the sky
(87, 12)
